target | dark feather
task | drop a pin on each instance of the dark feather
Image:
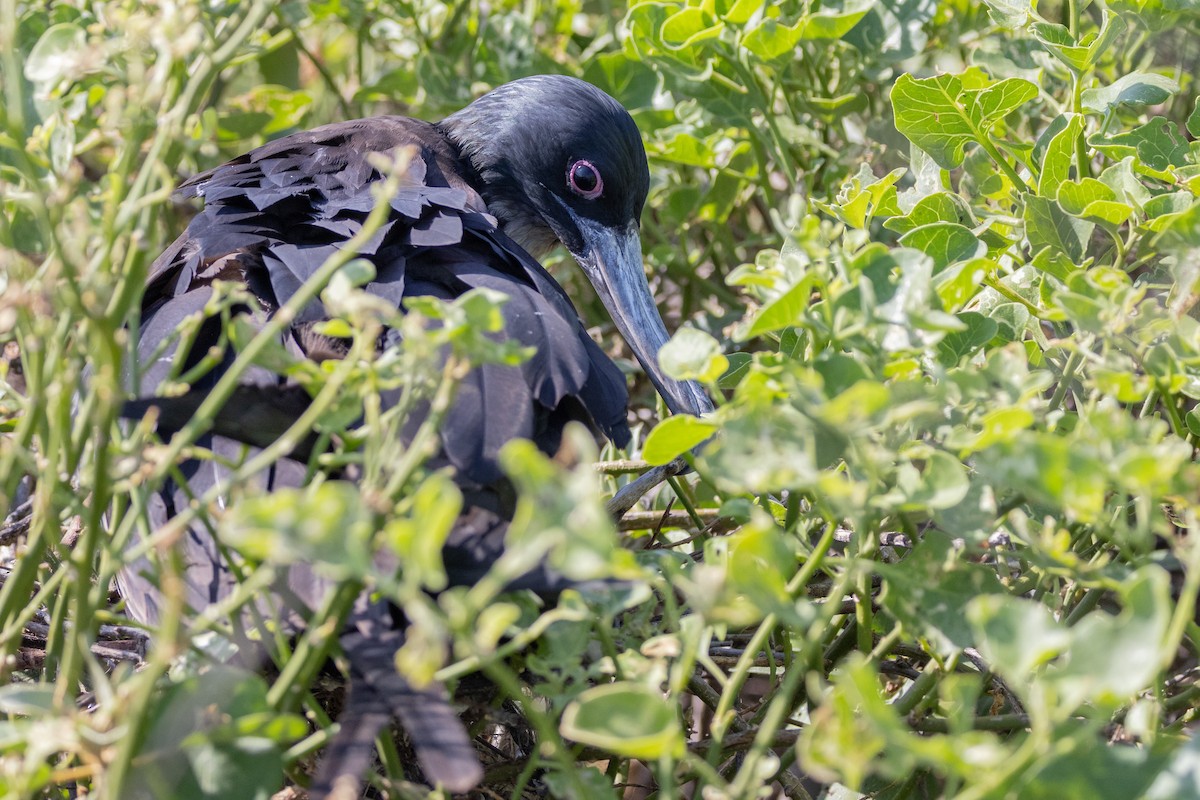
(270, 219)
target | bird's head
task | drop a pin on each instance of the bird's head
(561, 161)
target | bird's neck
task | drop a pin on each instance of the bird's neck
(506, 199)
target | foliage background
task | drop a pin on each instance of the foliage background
(940, 262)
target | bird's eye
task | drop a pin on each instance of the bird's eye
(584, 180)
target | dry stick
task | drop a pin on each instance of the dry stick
(650, 520)
(636, 489)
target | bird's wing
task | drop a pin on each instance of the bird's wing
(274, 215)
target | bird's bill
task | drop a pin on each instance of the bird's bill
(612, 261)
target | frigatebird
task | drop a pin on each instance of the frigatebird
(538, 162)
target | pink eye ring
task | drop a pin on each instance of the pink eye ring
(584, 180)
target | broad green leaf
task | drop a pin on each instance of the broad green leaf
(1090, 674)
(417, 536)
(772, 39)
(1083, 764)
(782, 312)
(738, 12)
(1012, 319)
(1093, 200)
(1126, 387)
(839, 372)
(936, 207)
(692, 354)
(931, 590)
(28, 700)
(328, 526)
(274, 356)
(941, 115)
(1081, 54)
(1134, 89)
(1016, 635)
(957, 284)
(686, 148)
(955, 345)
(1157, 146)
(690, 26)
(834, 23)
(945, 243)
(1169, 203)
(739, 366)
(1056, 164)
(1001, 425)
(1047, 225)
(1010, 14)
(627, 719)
(1181, 778)
(1122, 180)
(864, 196)
(56, 54)
(760, 559)
(831, 109)
(674, 436)
(631, 82)
(213, 735)
(1193, 120)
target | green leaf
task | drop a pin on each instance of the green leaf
(864, 196)
(692, 354)
(690, 26)
(955, 345)
(931, 590)
(782, 312)
(674, 436)
(1134, 89)
(739, 366)
(56, 54)
(1180, 780)
(1010, 14)
(770, 39)
(1090, 674)
(1001, 425)
(941, 115)
(327, 525)
(1157, 146)
(1047, 225)
(944, 242)
(213, 735)
(1056, 164)
(28, 700)
(1193, 120)
(1094, 201)
(1016, 635)
(417, 536)
(1078, 55)
(935, 207)
(627, 719)
(834, 23)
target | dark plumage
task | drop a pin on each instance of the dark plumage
(536, 162)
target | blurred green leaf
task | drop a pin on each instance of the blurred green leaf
(1135, 89)
(626, 719)
(692, 354)
(675, 436)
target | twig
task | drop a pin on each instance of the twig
(648, 520)
(744, 740)
(16, 524)
(635, 490)
(624, 466)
